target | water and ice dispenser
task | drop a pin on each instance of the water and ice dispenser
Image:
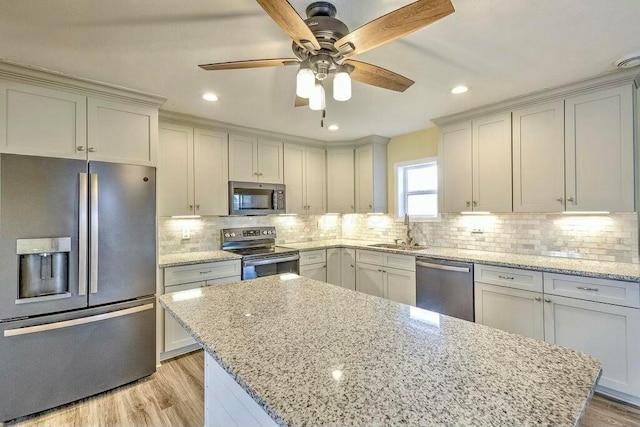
(44, 267)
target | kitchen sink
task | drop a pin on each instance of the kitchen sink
(399, 247)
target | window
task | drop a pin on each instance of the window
(417, 188)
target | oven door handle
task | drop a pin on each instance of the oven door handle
(253, 263)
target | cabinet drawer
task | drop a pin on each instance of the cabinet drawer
(370, 257)
(198, 272)
(403, 262)
(509, 277)
(313, 257)
(599, 290)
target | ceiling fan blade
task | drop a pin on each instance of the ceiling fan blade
(301, 102)
(394, 25)
(378, 76)
(288, 19)
(252, 63)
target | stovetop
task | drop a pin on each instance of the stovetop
(257, 252)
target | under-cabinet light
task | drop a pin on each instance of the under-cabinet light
(475, 213)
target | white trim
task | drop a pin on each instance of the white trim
(398, 188)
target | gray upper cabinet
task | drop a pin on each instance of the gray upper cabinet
(538, 158)
(455, 167)
(599, 151)
(255, 160)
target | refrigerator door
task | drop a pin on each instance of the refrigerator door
(40, 206)
(56, 359)
(122, 200)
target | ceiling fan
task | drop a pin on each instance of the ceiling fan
(323, 45)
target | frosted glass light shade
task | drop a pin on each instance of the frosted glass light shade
(316, 100)
(342, 86)
(305, 81)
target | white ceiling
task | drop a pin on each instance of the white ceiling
(499, 48)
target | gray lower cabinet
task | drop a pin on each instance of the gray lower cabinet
(596, 316)
(192, 277)
(377, 274)
(313, 264)
(341, 267)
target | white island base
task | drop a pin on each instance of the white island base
(226, 404)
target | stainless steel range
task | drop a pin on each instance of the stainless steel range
(260, 255)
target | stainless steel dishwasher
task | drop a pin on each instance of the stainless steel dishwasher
(445, 287)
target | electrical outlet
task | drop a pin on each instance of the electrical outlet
(477, 231)
(186, 233)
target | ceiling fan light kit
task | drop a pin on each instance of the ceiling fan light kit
(322, 45)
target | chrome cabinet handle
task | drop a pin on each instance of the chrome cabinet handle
(583, 288)
(538, 299)
(560, 199)
(468, 203)
(91, 149)
(205, 272)
(80, 148)
(505, 277)
(547, 300)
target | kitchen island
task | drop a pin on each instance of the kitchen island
(310, 353)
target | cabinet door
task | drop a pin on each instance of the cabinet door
(492, 179)
(348, 267)
(370, 279)
(42, 122)
(512, 310)
(608, 332)
(122, 133)
(175, 336)
(270, 161)
(315, 181)
(364, 179)
(538, 158)
(314, 271)
(243, 158)
(175, 172)
(334, 270)
(599, 151)
(294, 179)
(454, 168)
(211, 173)
(400, 285)
(340, 181)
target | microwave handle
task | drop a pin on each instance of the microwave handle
(275, 199)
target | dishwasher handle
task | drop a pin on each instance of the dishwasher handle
(443, 267)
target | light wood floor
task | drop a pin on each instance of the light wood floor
(174, 396)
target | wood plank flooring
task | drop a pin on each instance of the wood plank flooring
(174, 396)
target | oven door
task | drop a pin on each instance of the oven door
(261, 267)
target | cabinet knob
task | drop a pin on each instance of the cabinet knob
(560, 199)
(570, 199)
(538, 299)
(468, 203)
(92, 149)
(352, 266)
(197, 207)
(255, 173)
(351, 207)
(475, 203)
(370, 207)
(80, 148)
(190, 206)
(547, 300)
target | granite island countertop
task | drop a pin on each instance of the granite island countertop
(310, 353)
(581, 267)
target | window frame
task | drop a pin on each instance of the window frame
(401, 196)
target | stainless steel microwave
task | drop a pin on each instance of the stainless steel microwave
(254, 198)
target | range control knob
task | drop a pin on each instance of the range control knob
(272, 231)
(264, 231)
(233, 234)
(227, 235)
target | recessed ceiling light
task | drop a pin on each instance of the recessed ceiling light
(333, 127)
(459, 89)
(210, 97)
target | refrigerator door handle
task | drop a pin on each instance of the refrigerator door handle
(74, 322)
(83, 233)
(93, 282)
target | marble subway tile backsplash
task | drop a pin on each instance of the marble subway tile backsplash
(612, 237)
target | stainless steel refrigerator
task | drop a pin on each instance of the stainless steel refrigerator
(77, 279)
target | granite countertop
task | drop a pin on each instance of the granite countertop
(310, 353)
(582, 267)
(173, 260)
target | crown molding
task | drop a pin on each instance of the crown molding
(612, 79)
(28, 74)
(189, 120)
